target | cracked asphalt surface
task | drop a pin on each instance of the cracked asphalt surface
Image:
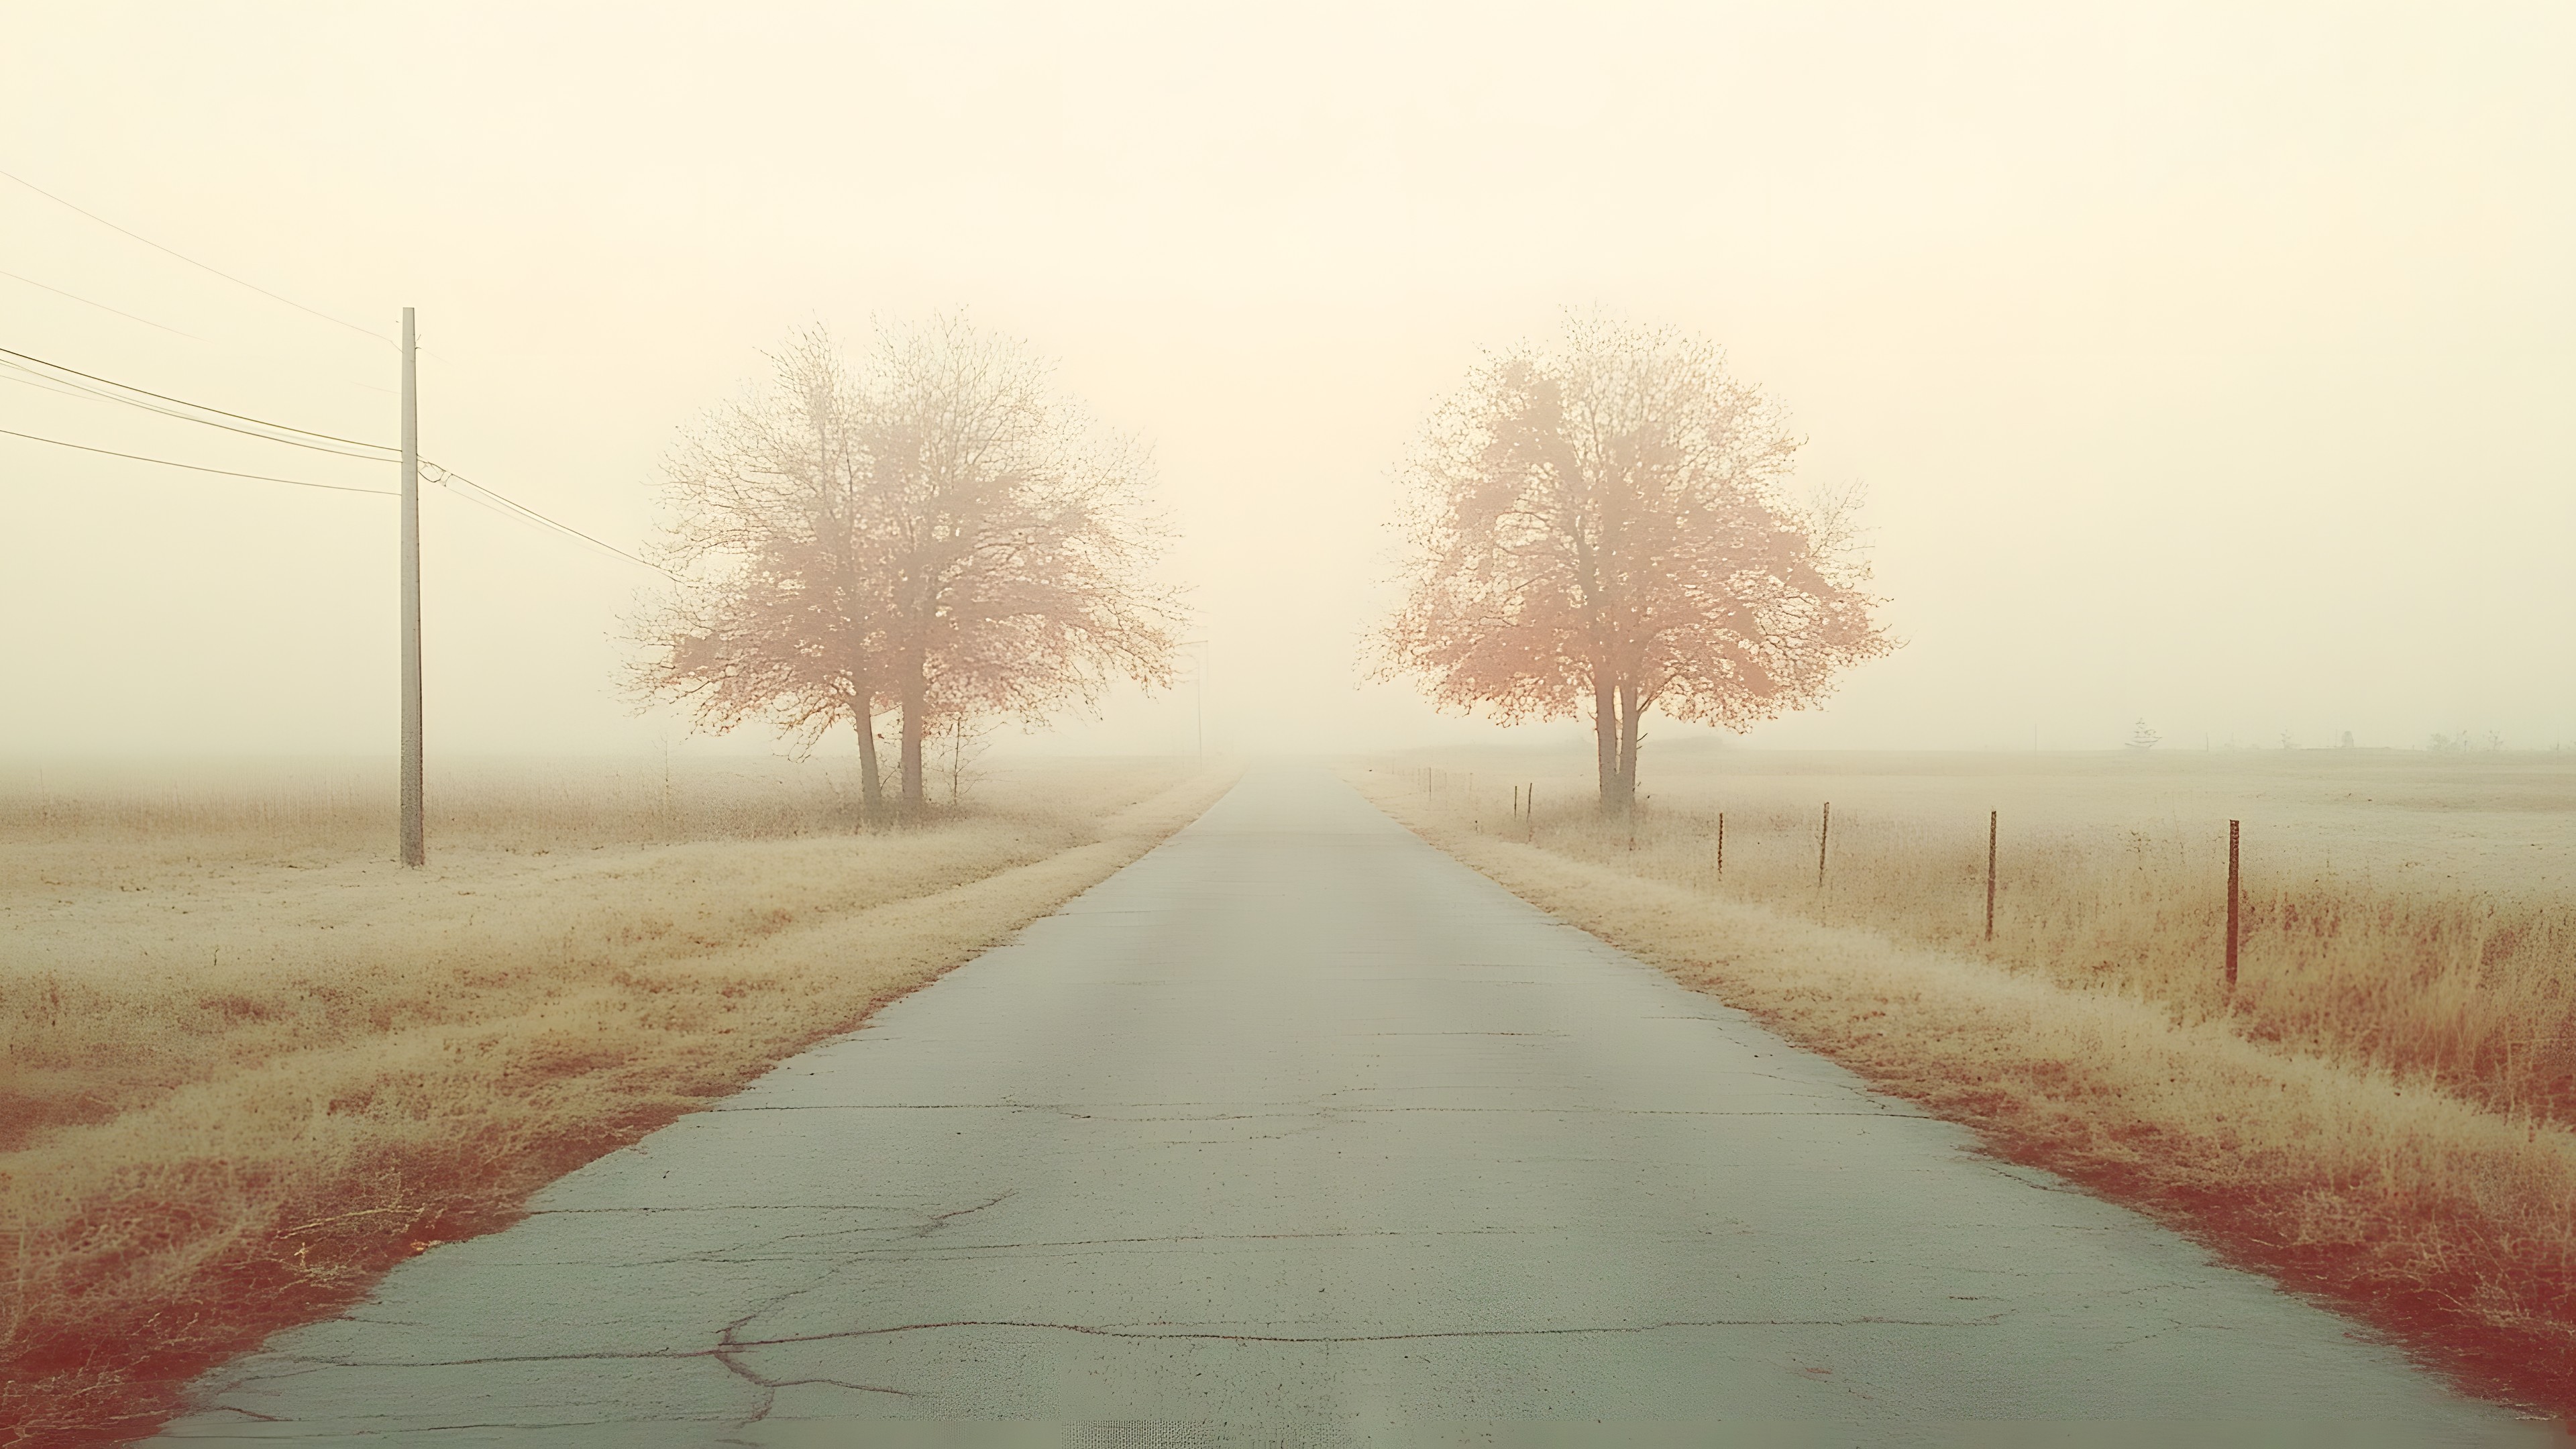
(1297, 1131)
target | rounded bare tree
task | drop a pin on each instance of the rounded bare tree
(1599, 524)
(939, 535)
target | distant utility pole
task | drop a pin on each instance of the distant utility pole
(1992, 817)
(415, 845)
(2235, 896)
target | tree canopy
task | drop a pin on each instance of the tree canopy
(1601, 522)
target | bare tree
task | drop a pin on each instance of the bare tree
(774, 532)
(1601, 522)
(1018, 535)
(942, 536)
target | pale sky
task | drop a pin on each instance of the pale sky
(2210, 365)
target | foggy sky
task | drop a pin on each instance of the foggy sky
(2209, 365)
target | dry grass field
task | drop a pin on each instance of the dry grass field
(2381, 1111)
(246, 1063)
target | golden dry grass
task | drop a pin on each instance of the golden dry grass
(248, 1063)
(2406, 911)
(2354, 1122)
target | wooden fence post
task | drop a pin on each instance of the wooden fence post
(1721, 845)
(1824, 832)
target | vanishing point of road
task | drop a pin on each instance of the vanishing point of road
(1298, 1132)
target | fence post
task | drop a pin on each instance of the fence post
(1824, 832)
(1991, 817)
(1529, 815)
(1721, 845)
(2235, 881)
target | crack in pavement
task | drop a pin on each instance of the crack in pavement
(1465, 1033)
(905, 1250)
(728, 1352)
(748, 1207)
(1081, 1115)
(1149, 1332)
(251, 1414)
(941, 1220)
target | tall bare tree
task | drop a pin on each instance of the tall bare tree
(941, 535)
(775, 531)
(1018, 537)
(1601, 523)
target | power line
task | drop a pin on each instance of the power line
(191, 336)
(199, 467)
(192, 261)
(16, 373)
(201, 407)
(102, 306)
(449, 478)
(25, 378)
(445, 477)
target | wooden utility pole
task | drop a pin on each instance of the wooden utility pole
(415, 846)
(2234, 895)
(1991, 817)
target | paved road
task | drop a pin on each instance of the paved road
(1296, 1131)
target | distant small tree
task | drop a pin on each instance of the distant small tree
(1600, 523)
(960, 749)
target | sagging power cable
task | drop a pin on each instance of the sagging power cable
(378, 450)
(201, 468)
(499, 502)
(109, 389)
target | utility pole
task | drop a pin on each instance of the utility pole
(1992, 816)
(415, 845)
(2235, 895)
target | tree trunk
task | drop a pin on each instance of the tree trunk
(1605, 739)
(863, 711)
(915, 703)
(1628, 713)
(871, 780)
